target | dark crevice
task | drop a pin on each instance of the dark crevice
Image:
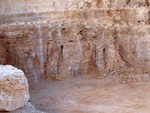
(128, 1)
(47, 59)
(105, 57)
(61, 48)
(60, 60)
(63, 29)
(81, 32)
(147, 3)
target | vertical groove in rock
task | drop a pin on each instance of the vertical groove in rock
(147, 3)
(128, 1)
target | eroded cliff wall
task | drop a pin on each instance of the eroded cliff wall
(63, 38)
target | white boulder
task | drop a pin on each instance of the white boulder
(14, 90)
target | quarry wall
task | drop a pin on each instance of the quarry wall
(66, 38)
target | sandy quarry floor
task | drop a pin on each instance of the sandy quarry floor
(81, 95)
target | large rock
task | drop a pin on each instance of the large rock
(14, 92)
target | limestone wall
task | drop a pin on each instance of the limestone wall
(8, 7)
(65, 38)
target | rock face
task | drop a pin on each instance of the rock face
(63, 38)
(14, 91)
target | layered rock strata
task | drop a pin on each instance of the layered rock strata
(59, 39)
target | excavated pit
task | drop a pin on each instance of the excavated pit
(89, 56)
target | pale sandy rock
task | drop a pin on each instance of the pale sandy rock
(59, 39)
(14, 92)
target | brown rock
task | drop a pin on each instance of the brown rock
(59, 39)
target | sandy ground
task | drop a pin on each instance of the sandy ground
(84, 95)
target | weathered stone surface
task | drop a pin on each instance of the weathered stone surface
(58, 49)
(14, 92)
(131, 16)
(46, 39)
(26, 6)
